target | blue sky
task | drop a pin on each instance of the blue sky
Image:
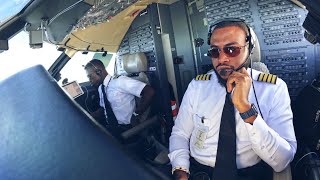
(9, 8)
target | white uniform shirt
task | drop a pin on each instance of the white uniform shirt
(121, 94)
(271, 139)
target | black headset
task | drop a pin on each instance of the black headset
(248, 38)
(97, 70)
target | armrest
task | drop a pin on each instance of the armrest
(138, 128)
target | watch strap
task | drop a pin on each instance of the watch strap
(251, 112)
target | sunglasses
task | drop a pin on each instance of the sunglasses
(230, 51)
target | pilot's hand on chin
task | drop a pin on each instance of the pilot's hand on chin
(240, 82)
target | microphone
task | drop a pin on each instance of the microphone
(223, 72)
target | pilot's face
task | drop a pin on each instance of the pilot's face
(93, 77)
(229, 49)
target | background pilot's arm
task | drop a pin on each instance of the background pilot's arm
(147, 94)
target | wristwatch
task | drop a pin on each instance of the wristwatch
(252, 111)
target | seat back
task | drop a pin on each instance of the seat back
(46, 135)
(255, 53)
(136, 65)
(286, 173)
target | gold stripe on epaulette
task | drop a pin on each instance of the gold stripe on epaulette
(274, 79)
(203, 77)
(208, 77)
(269, 78)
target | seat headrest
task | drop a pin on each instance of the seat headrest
(260, 67)
(136, 62)
(255, 54)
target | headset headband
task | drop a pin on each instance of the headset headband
(97, 70)
(93, 65)
(212, 28)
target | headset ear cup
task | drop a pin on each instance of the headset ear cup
(251, 46)
(250, 40)
(98, 71)
(209, 37)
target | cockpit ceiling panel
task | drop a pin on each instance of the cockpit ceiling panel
(106, 23)
(102, 11)
(105, 36)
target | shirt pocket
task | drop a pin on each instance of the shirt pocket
(200, 121)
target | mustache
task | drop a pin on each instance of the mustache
(225, 69)
(230, 67)
(223, 72)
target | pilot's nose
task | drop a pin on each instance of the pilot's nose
(223, 57)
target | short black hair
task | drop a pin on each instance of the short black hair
(239, 24)
(95, 63)
(227, 22)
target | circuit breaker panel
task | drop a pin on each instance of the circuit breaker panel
(278, 25)
(139, 39)
(144, 36)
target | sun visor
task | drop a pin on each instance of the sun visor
(105, 36)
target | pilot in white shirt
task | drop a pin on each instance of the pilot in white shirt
(267, 134)
(271, 139)
(120, 91)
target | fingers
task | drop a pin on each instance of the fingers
(236, 77)
(230, 83)
(244, 71)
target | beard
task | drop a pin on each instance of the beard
(223, 82)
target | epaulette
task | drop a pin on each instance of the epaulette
(269, 78)
(116, 76)
(203, 77)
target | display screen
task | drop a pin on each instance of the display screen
(73, 89)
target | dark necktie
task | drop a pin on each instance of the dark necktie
(112, 120)
(225, 167)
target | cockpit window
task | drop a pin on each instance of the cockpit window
(11, 8)
(21, 56)
(74, 69)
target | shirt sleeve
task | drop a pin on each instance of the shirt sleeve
(274, 140)
(181, 132)
(130, 85)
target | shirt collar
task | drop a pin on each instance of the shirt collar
(106, 80)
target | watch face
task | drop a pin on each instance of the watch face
(255, 109)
